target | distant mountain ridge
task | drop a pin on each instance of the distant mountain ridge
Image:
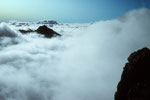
(44, 30)
(47, 22)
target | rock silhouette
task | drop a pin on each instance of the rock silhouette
(26, 31)
(44, 30)
(47, 32)
(135, 79)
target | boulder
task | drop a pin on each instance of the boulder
(135, 79)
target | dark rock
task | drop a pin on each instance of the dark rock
(47, 32)
(135, 79)
(44, 30)
(26, 31)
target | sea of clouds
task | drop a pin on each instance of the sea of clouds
(84, 64)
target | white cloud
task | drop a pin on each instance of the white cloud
(87, 65)
(6, 31)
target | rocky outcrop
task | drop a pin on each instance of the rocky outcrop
(44, 30)
(26, 31)
(47, 32)
(135, 79)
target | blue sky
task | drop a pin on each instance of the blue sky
(67, 10)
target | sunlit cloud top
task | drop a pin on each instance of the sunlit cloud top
(67, 10)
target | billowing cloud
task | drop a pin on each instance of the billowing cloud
(86, 65)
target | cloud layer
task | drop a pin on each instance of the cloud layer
(86, 65)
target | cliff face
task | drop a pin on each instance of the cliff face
(135, 79)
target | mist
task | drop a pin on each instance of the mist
(83, 64)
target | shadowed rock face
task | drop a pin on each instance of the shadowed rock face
(47, 32)
(44, 30)
(135, 79)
